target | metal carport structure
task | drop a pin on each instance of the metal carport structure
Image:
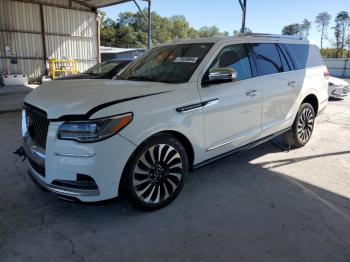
(32, 31)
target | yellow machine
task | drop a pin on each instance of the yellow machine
(61, 67)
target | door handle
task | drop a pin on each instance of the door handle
(292, 83)
(251, 92)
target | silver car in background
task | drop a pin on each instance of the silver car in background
(337, 87)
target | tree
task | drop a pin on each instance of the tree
(341, 22)
(292, 29)
(180, 27)
(322, 20)
(130, 30)
(305, 27)
(238, 32)
(212, 31)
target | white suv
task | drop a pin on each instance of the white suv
(176, 108)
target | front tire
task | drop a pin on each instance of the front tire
(302, 128)
(155, 173)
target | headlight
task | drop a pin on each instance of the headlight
(93, 130)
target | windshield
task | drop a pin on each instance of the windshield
(105, 68)
(169, 64)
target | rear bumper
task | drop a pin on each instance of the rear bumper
(339, 91)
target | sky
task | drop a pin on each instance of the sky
(263, 16)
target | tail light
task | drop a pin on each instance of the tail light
(326, 74)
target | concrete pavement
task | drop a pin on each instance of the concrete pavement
(259, 205)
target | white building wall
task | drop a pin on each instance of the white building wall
(70, 32)
(338, 66)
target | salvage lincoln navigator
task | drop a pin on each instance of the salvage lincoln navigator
(174, 109)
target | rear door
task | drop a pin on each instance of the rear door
(280, 84)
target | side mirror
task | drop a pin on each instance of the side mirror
(221, 75)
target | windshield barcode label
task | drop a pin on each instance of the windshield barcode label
(186, 60)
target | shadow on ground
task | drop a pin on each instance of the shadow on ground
(230, 210)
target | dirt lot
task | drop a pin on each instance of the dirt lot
(261, 205)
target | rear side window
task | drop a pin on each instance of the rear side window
(305, 55)
(268, 60)
(286, 63)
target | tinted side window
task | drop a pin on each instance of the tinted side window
(305, 55)
(287, 65)
(235, 57)
(267, 58)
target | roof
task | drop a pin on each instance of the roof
(94, 4)
(116, 50)
(248, 38)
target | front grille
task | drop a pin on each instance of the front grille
(37, 124)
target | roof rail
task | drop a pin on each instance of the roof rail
(299, 37)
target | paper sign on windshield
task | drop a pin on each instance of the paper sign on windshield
(186, 60)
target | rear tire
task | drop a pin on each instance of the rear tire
(155, 173)
(302, 128)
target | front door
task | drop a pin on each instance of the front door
(232, 111)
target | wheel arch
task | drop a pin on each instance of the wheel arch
(313, 101)
(183, 139)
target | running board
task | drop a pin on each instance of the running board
(239, 149)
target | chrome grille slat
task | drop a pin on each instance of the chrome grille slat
(39, 125)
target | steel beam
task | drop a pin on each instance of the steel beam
(244, 9)
(149, 40)
(149, 21)
(43, 39)
(39, 33)
(138, 7)
(56, 5)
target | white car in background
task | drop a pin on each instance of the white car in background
(337, 87)
(174, 109)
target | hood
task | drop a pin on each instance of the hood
(82, 76)
(78, 97)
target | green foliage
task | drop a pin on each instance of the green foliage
(298, 29)
(333, 53)
(342, 21)
(293, 29)
(341, 31)
(305, 27)
(238, 32)
(130, 30)
(322, 21)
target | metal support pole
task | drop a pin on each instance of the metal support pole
(98, 39)
(244, 9)
(149, 21)
(149, 40)
(138, 7)
(43, 39)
